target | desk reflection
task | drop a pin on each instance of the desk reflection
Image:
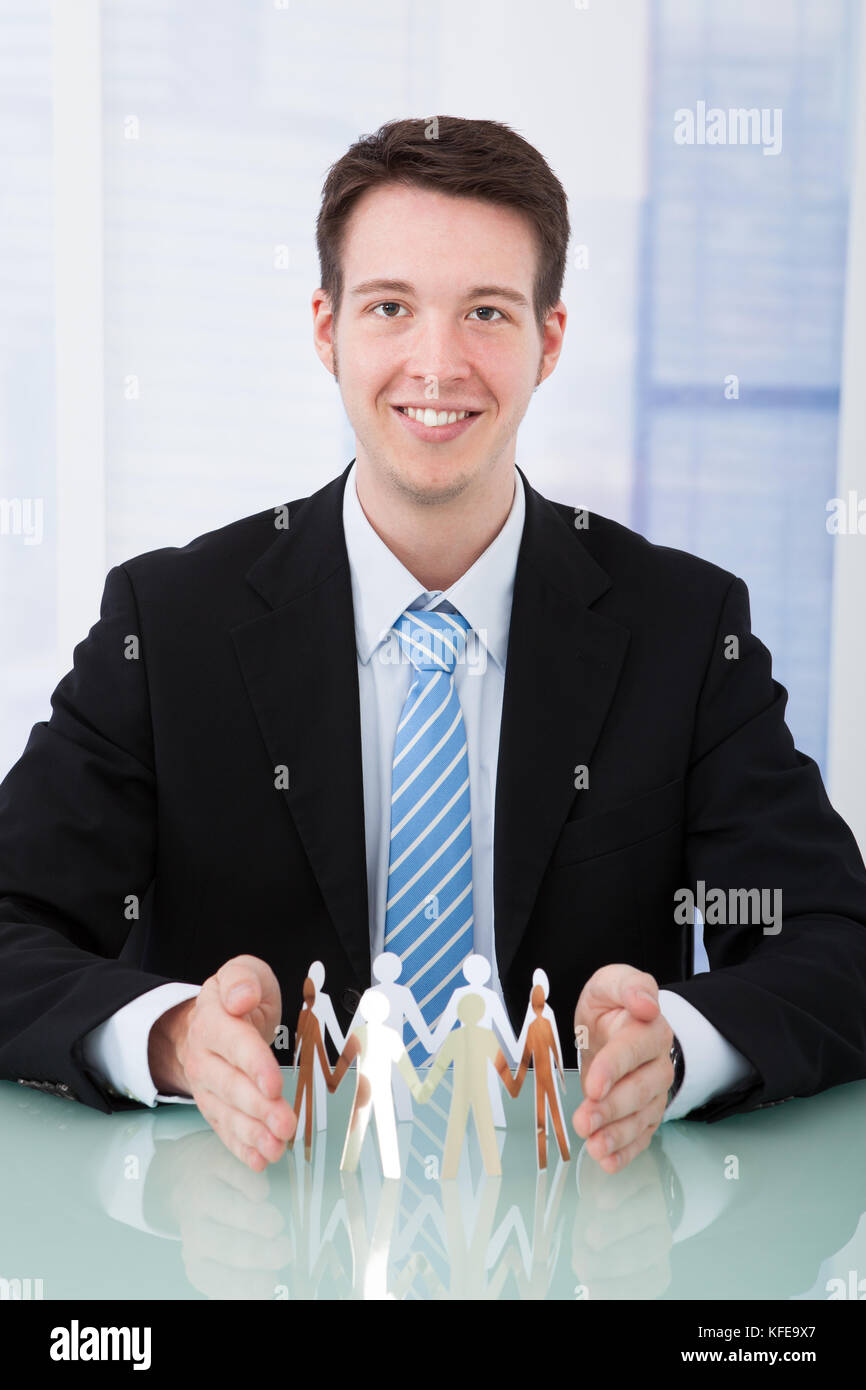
(747, 1208)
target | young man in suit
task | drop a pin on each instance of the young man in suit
(222, 764)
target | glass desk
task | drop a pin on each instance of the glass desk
(148, 1204)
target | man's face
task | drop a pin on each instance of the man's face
(436, 314)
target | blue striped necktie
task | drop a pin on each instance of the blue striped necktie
(428, 915)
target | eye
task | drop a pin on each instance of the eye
(488, 309)
(387, 304)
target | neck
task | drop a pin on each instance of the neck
(437, 542)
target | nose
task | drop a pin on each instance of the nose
(437, 350)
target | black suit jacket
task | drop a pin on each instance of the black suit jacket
(155, 787)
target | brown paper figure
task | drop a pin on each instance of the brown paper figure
(539, 977)
(470, 1048)
(308, 1047)
(377, 1048)
(323, 1008)
(540, 1045)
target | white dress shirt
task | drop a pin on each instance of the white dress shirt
(382, 588)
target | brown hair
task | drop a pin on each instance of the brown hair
(465, 158)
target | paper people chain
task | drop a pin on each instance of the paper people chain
(386, 1078)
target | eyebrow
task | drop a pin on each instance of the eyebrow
(476, 292)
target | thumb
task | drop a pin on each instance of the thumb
(641, 997)
(240, 988)
(625, 987)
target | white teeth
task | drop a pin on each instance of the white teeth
(433, 418)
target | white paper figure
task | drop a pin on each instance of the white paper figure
(539, 977)
(377, 1048)
(403, 1009)
(476, 970)
(324, 1011)
(472, 1048)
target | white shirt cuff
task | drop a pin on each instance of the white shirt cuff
(117, 1048)
(713, 1065)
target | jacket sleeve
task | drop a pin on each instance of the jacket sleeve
(77, 853)
(787, 978)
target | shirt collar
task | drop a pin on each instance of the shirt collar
(382, 587)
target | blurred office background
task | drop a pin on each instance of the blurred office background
(162, 162)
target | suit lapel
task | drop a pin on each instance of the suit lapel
(562, 669)
(299, 664)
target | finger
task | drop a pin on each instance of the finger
(635, 1091)
(241, 985)
(248, 1139)
(629, 1048)
(617, 1135)
(615, 986)
(210, 1072)
(641, 998)
(615, 1162)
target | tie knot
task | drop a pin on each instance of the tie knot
(432, 641)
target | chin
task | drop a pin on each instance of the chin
(430, 479)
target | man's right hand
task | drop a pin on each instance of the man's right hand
(216, 1048)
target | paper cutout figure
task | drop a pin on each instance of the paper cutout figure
(328, 1025)
(539, 977)
(476, 970)
(377, 1049)
(471, 1048)
(308, 1048)
(540, 1044)
(403, 1008)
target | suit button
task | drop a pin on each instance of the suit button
(350, 999)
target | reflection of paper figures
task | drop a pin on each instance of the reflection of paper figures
(476, 970)
(377, 1049)
(308, 1049)
(403, 1009)
(539, 977)
(540, 1046)
(470, 1048)
(316, 1251)
(328, 1025)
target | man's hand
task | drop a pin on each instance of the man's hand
(216, 1048)
(626, 1070)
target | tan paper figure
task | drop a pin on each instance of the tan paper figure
(540, 1044)
(476, 971)
(308, 1048)
(539, 977)
(324, 1011)
(377, 1048)
(471, 1048)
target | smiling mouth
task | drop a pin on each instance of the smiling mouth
(434, 419)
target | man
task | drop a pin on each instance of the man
(221, 764)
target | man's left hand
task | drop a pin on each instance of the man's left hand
(626, 1071)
